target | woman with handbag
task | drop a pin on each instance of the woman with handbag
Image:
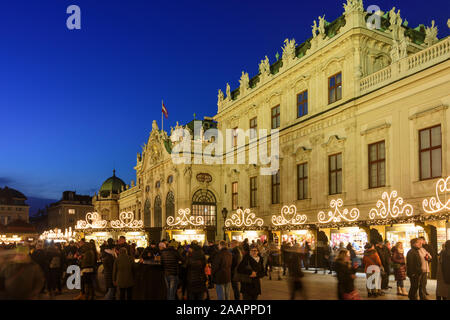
(398, 258)
(250, 270)
(346, 275)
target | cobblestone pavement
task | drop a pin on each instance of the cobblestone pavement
(317, 287)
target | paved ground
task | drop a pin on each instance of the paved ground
(317, 287)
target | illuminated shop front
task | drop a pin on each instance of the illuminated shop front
(354, 235)
(56, 235)
(18, 232)
(243, 224)
(185, 228)
(93, 228)
(290, 226)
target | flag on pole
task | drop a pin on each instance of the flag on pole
(164, 110)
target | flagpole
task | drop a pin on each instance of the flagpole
(162, 118)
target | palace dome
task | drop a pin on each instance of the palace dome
(112, 185)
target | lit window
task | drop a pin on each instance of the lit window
(71, 211)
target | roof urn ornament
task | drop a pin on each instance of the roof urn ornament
(289, 49)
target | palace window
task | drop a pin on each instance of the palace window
(335, 173)
(377, 165)
(253, 191)
(170, 179)
(302, 104)
(275, 117)
(71, 211)
(204, 204)
(158, 184)
(235, 137)
(234, 195)
(335, 88)
(276, 188)
(430, 153)
(253, 128)
(302, 181)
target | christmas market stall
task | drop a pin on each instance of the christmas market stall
(243, 224)
(93, 227)
(185, 227)
(18, 231)
(56, 235)
(290, 226)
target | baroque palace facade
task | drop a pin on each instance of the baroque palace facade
(363, 117)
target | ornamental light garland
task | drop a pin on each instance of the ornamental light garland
(435, 204)
(126, 220)
(92, 220)
(392, 207)
(243, 218)
(184, 219)
(337, 215)
(289, 217)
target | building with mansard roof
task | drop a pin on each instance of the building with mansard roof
(361, 113)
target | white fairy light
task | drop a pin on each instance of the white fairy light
(92, 220)
(337, 215)
(392, 207)
(289, 216)
(243, 218)
(126, 220)
(183, 220)
(435, 204)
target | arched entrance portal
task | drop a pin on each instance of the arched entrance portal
(204, 204)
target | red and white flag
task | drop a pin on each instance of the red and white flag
(164, 110)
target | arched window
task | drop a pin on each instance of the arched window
(147, 213)
(170, 205)
(157, 218)
(170, 179)
(204, 204)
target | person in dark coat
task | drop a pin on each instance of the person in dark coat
(385, 257)
(221, 271)
(108, 257)
(295, 271)
(170, 261)
(55, 261)
(40, 258)
(443, 273)
(123, 274)
(352, 253)
(398, 259)
(414, 268)
(345, 273)
(237, 258)
(251, 266)
(196, 278)
(87, 266)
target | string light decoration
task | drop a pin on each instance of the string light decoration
(289, 216)
(92, 220)
(435, 204)
(243, 218)
(337, 215)
(392, 207)
(126, 220)
(184, 219)
(57, 234)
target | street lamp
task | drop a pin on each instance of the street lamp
(224, 215)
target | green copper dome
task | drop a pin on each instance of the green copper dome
(112, 185)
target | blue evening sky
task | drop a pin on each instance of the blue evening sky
(76, 104)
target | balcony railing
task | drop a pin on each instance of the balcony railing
(419, 61)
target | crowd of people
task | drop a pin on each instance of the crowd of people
(233, 269)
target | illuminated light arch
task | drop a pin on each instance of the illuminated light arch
(126, 220)
(92, 220)
(243, 218)
(392, 205)
(337, 215)
(435, 204)
(184, 219)
(289, 216)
